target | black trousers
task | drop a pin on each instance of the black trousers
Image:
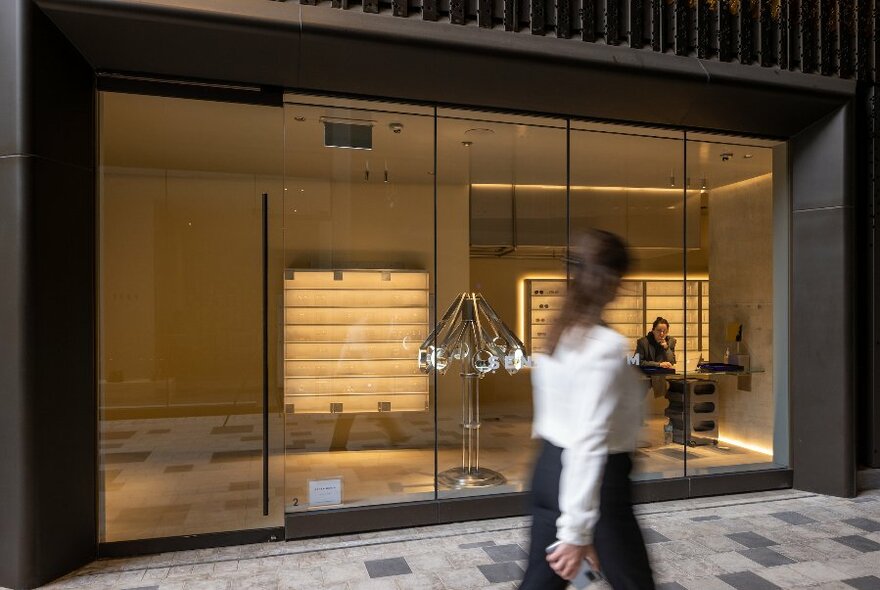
(617, 537)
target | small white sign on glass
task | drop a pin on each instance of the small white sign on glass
(325, 492)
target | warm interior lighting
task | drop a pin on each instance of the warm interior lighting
(521, 299)
(559, 187)
(521, 292)
(745, 445)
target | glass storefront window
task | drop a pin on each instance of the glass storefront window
(358, 278)
(739, 421)
(379, 217)
(501, 226)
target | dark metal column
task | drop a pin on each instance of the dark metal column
(822, 276)
(48, 405)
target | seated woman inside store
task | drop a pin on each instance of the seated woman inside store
(657, 347)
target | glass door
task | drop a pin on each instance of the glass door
(184, 436)
(631, 182)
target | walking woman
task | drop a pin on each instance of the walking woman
(588, 411)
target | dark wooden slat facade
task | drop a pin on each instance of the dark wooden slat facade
(827, 37)
(511, 15)
(809, 29)
(456, 12)
(400, 7)
(725, 30)
(704, 29)
(783, 46)
(658, 25)
(430, 10)
(612, 22)
(636, 24)
(537, 16)
(747, 31)
(766, 49)
(588, 20)
(485, 9)
(563, 19)
(681, 26)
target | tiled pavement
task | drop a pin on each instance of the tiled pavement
(782, 539)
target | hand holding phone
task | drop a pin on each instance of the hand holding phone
(584, 576)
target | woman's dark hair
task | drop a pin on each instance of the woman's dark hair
(598, 261)
(659, 321)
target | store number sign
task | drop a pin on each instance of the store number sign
(325, 492)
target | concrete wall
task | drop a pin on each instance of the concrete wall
(741, 291)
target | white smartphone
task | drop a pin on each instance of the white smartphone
(585, 575)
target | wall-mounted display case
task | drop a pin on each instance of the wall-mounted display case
(632, 313)
(351, 340)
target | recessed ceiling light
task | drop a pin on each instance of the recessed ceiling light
(747, 156)
(467, 143)
(479, 131)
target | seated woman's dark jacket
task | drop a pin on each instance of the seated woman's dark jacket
(651, 354)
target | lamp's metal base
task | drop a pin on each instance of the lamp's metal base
(459, 477)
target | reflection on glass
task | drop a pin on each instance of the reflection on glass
(181, 423)
(501, 223)
(358, 252)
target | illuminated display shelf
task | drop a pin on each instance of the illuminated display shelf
(632, 313)
(351, 340)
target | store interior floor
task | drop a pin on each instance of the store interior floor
(177, 476)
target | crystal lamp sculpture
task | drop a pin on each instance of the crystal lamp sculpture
(471, 335)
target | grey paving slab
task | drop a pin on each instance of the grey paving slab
(652, 536)
(793, 517)
(859, 542)
(501, 553)
(476, 545)
(766, 556)
(866, 524)
(751, 539)
(748, 581)
(864, 583)
(821, 543)
(501, 572)
(392, 566)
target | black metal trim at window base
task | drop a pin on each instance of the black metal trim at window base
(301, 525)
(189, 542)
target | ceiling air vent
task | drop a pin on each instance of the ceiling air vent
(350, 134)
